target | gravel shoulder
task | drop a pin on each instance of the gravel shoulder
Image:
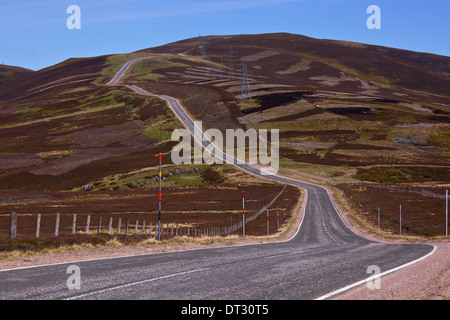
(428, 279)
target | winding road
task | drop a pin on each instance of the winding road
(323, 258)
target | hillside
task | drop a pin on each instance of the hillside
(347, 113)
(10, 73)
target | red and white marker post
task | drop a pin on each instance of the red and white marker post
(243, 215)
(159, 202)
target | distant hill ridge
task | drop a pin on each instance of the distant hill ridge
(10, 73)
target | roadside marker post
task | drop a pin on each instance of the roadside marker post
(243, 215)
(446, 213)
(400, 219)
(267, 209)
(159, 201)
(378, 219)
(278, 220)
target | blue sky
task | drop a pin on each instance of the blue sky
(34, 35)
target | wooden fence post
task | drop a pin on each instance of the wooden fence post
(88, 222)
(13, 225)
(74, 224)
(38, 225)
(99, 224)
(110, 225)
(119, 225)
(57, 224)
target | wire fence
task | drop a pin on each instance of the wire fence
(402, 188)
(35, 225)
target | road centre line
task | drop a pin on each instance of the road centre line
(134, 283)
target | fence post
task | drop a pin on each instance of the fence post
(74, 223)
(38, 225)
(119, 225)
(110, 225)
(57, 224)
(379, 220)
(13, 225)
(99, 224)
(88, 222)
(446, 212)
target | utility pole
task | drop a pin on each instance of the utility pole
(202, 48)
(245, 87)
(205, 57)
(230, 63)
(220, 70)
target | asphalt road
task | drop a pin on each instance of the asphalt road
(323, 256)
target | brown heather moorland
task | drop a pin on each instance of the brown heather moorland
(357, 117)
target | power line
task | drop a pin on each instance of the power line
(245, 86)
(230, 63)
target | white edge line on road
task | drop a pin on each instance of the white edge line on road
(134, 283)
(353, 285)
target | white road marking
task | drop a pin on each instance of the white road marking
(328, 295)
(134, 284)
